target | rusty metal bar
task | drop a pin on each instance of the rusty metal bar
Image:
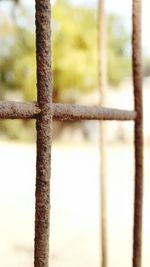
(18, 110)
(69, 112)
(138, 133)
(62, 112)
(43, 126)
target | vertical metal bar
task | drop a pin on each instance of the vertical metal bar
(103, 130)
(138, 132)
(43, 126)
(103, 216)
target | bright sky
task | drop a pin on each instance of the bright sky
(123, 8)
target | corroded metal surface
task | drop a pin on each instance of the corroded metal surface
(43, 126)
(138, 133)
(76, 112)
(62, 112)
(18, 110)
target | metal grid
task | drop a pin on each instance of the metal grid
(44, 111)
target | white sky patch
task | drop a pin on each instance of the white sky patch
(124, 8)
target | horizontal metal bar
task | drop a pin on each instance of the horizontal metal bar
(18, 110)
(63, 112)
(68, 112)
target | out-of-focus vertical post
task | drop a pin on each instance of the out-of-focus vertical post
(43, 126)
(103, 131)
(138, 133)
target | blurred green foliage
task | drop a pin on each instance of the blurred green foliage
(74, 46)
(74, 54)
(75, 49)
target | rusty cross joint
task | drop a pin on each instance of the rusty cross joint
(62, 112)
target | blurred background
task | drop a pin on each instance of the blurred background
(75, 152)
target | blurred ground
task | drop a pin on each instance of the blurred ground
(75, 205)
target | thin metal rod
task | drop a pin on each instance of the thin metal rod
(103, 129)
(63, 112)
(138, 133)
(43, 126)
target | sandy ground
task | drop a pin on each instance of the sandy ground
(75, 206)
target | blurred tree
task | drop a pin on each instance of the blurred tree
(75, 49)
(17, 65)
(74, 52)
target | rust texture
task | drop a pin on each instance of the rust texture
(67, 112)
(102, 55)
(62, 112)
(138, 133)
(18, 110)
(43, 126)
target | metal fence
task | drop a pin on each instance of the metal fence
(44, 111)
